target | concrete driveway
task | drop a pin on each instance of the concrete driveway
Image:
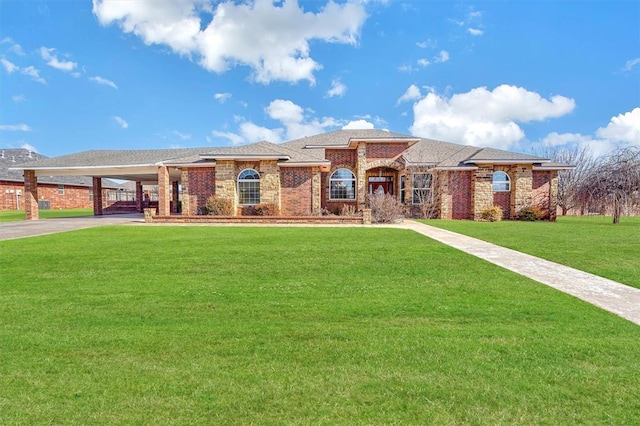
(32, 228)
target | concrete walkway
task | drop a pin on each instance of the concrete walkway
(609, 295)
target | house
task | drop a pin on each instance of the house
(54, 192)
(326, 171)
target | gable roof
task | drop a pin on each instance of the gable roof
(12, 160)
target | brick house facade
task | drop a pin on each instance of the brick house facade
(328, 172)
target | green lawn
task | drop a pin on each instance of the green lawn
(15, 215)
(589, 243)
(224, 325)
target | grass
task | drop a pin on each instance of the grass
(589, 243)
(222, 325)
(16, 215)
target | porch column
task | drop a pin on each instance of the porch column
(361, 172)
(553, 196)
(175, 196)
(30, 195)
(316, 187)
(97, 196)
(522, 189)
(164, 202)
(482, 190)
(139, 198)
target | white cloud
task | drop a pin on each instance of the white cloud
(630, 64)
(622, 131)
(407, 68)
(181, 136)
(295, 123)
(484, 118)
(121, 122)
(475, 31)
(443, 56)
(53, 61)
(15, 127)
(337, 89)
(272, 38)
(429, 43)
(222, 97)
(103, 81)
(411, 94)
(423, 62)
(9, 66)
(18, 98)
(623, 128)
(33, 72)
(358, 124)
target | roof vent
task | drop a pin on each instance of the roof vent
(30, 154)
(2, 154)
(13, 158)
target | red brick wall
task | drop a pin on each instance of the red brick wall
(295, 191)
(342, 157)
(503, 199)
(380, 150)
(541, 190)
(460, 185)
(200, 185)
(74, 197)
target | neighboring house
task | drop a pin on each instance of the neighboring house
(323, 172)
(54, 192)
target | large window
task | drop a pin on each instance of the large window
(501, 182)
(422, 188)
(249, 187)
(342, 185)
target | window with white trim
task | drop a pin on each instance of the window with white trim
(249, 187)
(422, 187)
(60, 189)
(342, 185)
(501, 182)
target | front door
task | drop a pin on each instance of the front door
(381, 185)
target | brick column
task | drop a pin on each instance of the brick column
(225, 181)
(187, 208)
(316, 189)
(30, 195)
(522, 192)
(270, 182)
(97, 196)
(443, 189)
(175, 196)
(139, 198)
(482, 190)
(361, 172)
(164, 202)
(553, 196)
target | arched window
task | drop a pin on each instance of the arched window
(342, 185)
(501, 182)
(249, 187)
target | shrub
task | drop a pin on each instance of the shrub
(531, 213)
(491, 214)
(385, 208)
(267, 209)
(218, 206)
(348, 210)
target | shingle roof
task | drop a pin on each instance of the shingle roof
(342, 137)
(11, 158)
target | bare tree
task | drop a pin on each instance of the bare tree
(615, 182)
(571, 182)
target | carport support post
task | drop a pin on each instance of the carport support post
(175, 196)
(164, 202)
(139, 197)
(97, 196)
(30, 195)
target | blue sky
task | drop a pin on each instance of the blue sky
(518, 75)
